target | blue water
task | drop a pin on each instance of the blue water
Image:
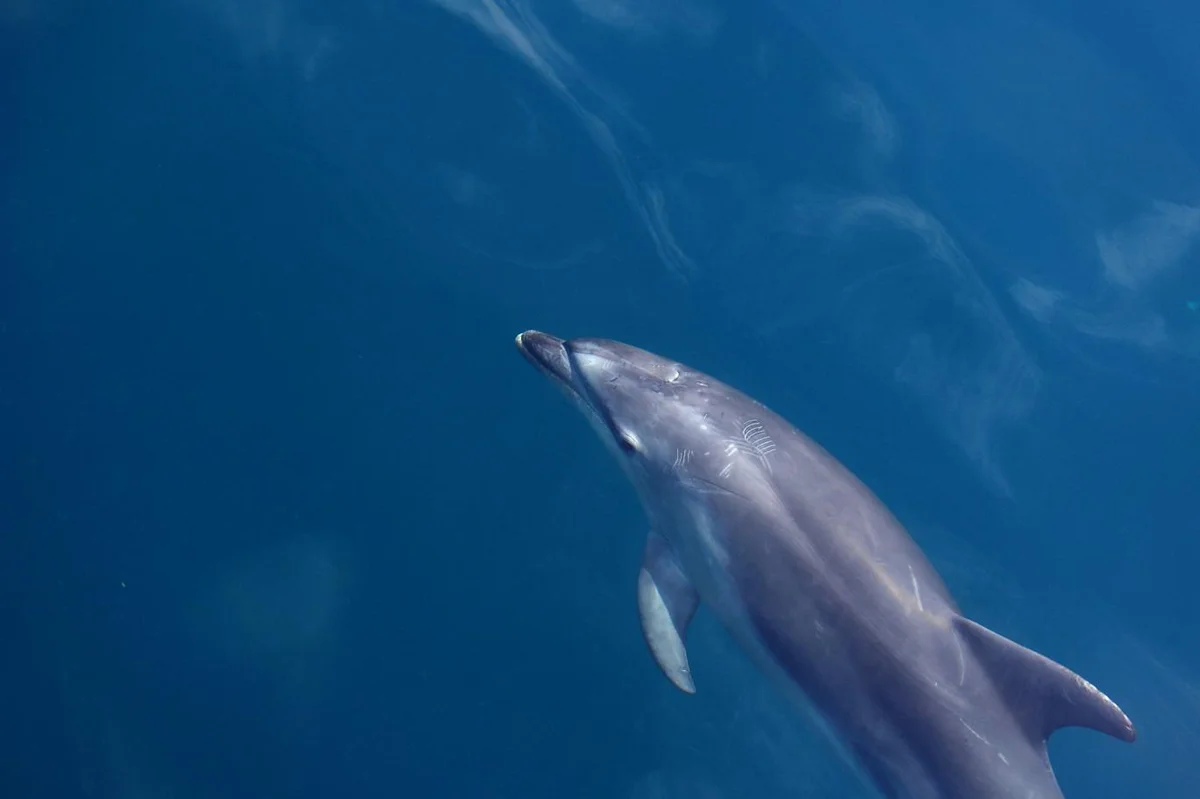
(287, 515)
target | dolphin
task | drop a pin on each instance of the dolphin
(818, 583)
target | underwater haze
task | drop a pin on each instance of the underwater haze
(286, 513)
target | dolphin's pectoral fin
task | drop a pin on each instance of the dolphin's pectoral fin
(1045, 695)
(666, 603)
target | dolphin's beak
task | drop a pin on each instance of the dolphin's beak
(549, 354)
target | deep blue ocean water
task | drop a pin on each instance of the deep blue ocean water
(287, 515)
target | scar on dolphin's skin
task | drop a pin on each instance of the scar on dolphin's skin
(916, 589)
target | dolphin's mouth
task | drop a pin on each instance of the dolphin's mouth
(555, 358)
(549, 354)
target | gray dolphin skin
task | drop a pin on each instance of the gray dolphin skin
(818, 583)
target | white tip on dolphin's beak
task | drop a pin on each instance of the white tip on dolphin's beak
(548, 353)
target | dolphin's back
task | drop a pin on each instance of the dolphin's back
(841, 530)
(851, 610)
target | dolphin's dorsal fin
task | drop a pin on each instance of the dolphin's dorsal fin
(666, 603)
(1045, 695)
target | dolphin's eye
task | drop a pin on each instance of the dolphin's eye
(629, 443)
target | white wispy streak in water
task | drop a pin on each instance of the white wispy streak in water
(1082, 138)
(973, 381)
(515, 27)
(1137, 263)
(652, 18)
